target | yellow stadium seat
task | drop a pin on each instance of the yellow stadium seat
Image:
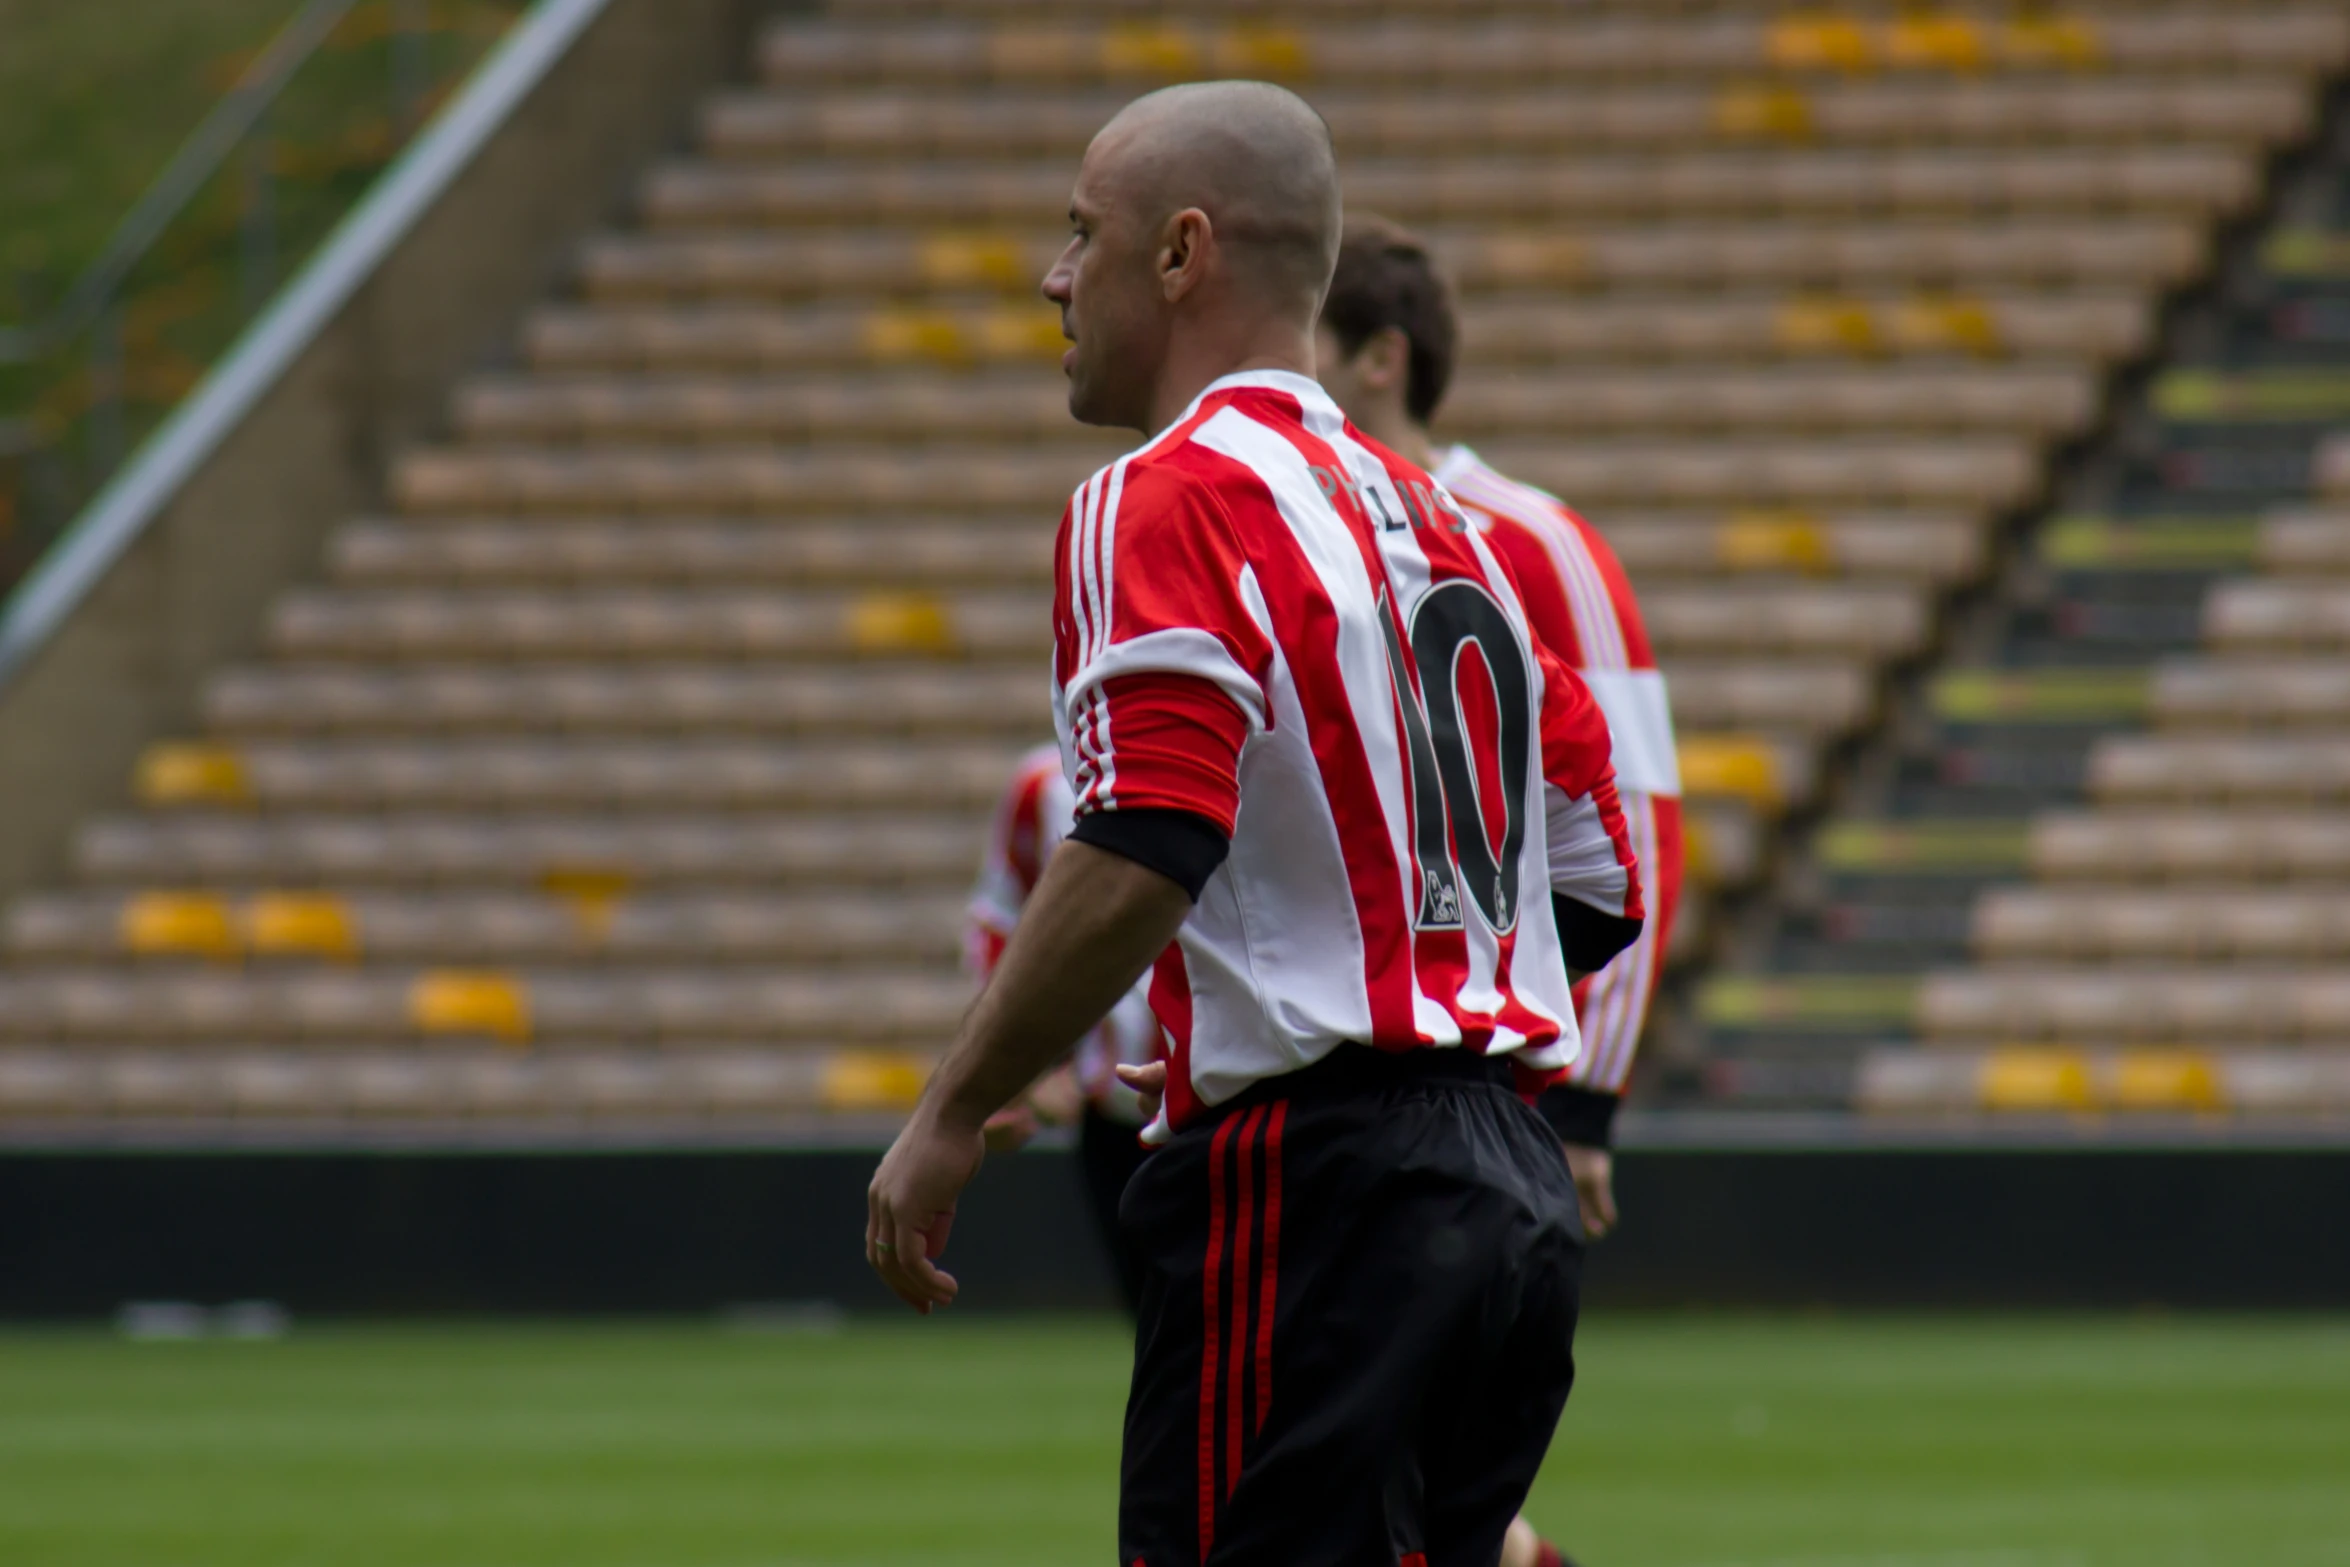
(594, 893)
(1746, 769)
(2172, 1080)
(469, 1001)
(2051, 40)
(2035, 1080)
(292, 924)
(900, 623)
(1810, 43)
(1265, 53)
(1945, 324)
(1763, 114)
(872, 1080)
(1828, 325)
(192, 773)
(171, 924)
(1160, 53)
(965, 260)
(1953, 43)
(895, 335)
(1024, 334)
(1767, 540)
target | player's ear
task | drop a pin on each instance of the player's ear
(1184, 248)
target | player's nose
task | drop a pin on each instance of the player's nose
(1056, 285)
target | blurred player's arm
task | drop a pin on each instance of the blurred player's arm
(1594, 879)
(1595, 896)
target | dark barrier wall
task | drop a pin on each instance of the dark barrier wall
(80, 1233)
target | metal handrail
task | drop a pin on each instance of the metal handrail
(194, 430)
(191, 168)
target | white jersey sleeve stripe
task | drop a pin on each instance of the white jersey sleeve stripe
(1583, 863)
(1089, 566)
(1179, 651)
(1640, 728)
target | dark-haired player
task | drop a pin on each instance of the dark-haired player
(1386, 349)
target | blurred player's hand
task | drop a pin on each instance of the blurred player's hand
(1056, 1098)
(1594, 1170)
(1009, 1129)
(1149, 1084)
(910, 1206)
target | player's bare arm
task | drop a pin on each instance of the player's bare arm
(1096, 922)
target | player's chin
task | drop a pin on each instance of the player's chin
(1085, 401)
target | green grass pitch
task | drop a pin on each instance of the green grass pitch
(1691, 1442)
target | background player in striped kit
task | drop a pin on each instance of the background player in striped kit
(1036, 813)
(1386, 350)
(1387, 344)
(1313, 741)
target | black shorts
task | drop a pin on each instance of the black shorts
(1109, 1151)
(1357, 1320)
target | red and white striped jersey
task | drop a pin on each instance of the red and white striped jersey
(1035, 815)
(1266, 619)
(1580, 604)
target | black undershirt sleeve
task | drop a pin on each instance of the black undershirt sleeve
(1589, 937)
(1182, 846)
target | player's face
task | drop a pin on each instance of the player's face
(1368, 384)
(1111, 310)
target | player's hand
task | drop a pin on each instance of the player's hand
(1009, 1129)
(1056, 1098)
(910, 1207)
(1594, 1170)
(1150, 1086)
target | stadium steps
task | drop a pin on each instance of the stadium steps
(2112, 871)
(633, 759)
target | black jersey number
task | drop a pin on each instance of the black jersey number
(1448, 818)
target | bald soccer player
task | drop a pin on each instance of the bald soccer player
(1386, 352)
(1314, 747)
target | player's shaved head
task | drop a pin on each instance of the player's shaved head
(1208, 218)
(1250, 155)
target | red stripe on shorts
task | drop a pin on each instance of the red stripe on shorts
(1272, 1245)
(1250, 1129)
(1212, 1310)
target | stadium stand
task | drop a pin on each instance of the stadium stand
(2111, 871)
(631, 765)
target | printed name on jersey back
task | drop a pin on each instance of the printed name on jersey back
(1233, 625)
(1427, 506)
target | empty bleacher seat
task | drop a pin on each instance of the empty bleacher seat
(2217, 920)
(2272, 613)
(636, 766)
(651, 697)
(421, 849)
(2245, 693)
(2133, 1002)
(2220, 766)
(1424, 52)
(2263, 843)
(2191, 180)
(1643, 116)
